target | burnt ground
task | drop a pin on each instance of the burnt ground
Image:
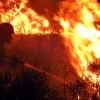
(43, 51)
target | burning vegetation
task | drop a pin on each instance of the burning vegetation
(24, 19)
(78, 22)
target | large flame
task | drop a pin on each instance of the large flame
(82, 35)
(80, 20)
(24, 19)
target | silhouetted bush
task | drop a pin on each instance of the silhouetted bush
(29, 85)
(33, 85)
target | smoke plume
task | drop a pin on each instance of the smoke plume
(47, 8)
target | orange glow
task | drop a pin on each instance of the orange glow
(82, 37)
(47, 73)
(80, 20)
(24, 20)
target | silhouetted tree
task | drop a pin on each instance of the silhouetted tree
(28, 85)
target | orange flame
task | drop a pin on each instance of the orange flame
(82, 36)
(24, 19)
(80, 20)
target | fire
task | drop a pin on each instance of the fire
(80, 20)
(82, 36)
(25, 20)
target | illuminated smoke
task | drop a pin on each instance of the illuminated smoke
(48, 9)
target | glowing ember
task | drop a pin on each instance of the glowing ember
(82, 35)
(24, 19)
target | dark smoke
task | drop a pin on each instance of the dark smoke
(47, 8)
(98, 1)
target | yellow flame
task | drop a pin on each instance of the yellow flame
(24, 20)
(81, 23)
(82, 37)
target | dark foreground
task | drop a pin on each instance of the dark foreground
(48, 53)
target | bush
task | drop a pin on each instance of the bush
(29, 85)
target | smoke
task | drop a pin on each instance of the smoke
(52, 10)
(98, 1)
(47, 8)
(67, 9)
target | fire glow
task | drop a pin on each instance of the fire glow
(24, 19)
(80, 21)
(82, 38)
